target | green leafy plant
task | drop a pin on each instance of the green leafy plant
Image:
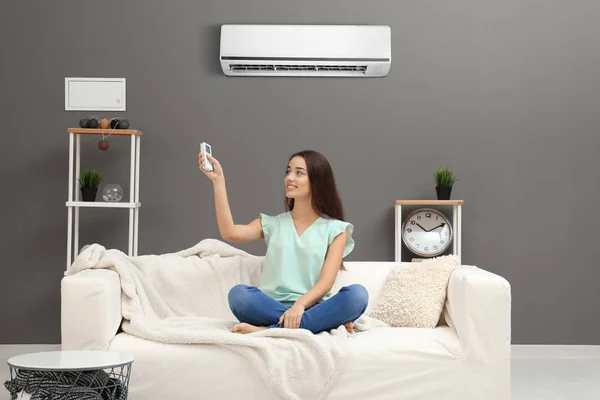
(90, 178)
(445, 177)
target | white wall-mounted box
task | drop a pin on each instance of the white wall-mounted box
(95, 94)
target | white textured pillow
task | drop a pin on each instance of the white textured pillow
(414, 295)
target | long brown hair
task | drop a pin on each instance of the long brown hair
(325, 197)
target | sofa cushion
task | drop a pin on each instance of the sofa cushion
(414, 294)
(371, 275)
(381, 344)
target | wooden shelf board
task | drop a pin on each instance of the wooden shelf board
(429, 202)
(92, 131)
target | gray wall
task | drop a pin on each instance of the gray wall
(504, 92)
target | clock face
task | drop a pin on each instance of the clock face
(427, 232)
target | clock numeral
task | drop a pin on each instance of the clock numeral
(428, 215)
(418, 217)
(426, 249)
(408, 230)
(442, 241)
(418, 245)
(411, 239)
(445, 233)
(437, 217)
(412, 222)
(435, 247)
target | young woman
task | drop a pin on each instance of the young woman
(306, 246)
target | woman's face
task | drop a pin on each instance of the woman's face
(297, 184)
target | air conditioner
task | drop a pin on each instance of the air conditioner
(306, 50)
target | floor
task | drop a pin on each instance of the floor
(538, 372)
(555, 372)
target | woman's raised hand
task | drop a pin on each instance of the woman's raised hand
(217, 172)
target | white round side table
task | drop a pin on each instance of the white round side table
(70, 375)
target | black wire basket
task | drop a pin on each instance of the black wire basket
(97, 384)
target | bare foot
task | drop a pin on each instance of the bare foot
(349, 327)
(246, 328)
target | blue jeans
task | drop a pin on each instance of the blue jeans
(249, 304)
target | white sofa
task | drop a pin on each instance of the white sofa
(466, 357)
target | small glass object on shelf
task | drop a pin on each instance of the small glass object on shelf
(112, 192)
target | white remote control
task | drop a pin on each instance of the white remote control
(206, 149)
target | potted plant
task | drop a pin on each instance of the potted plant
(444, 179)
(90, 180)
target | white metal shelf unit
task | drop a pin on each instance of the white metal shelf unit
(74, 202)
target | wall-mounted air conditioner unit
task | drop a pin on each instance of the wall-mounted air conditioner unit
(306, 50)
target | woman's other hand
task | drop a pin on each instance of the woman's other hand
(292, 317)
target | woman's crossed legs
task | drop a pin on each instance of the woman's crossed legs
(256, 311)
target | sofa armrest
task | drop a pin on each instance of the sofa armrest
(478, 308)
(90, 309)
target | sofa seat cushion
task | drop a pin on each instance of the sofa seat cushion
(188, 371)
(425, 363)
(424, 344)
(421, 361)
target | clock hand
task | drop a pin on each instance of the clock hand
(440, 232)
(425, 230)
(435, 227)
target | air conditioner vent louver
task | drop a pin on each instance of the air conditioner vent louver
(285, 68)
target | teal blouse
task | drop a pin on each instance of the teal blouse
(293, 263)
